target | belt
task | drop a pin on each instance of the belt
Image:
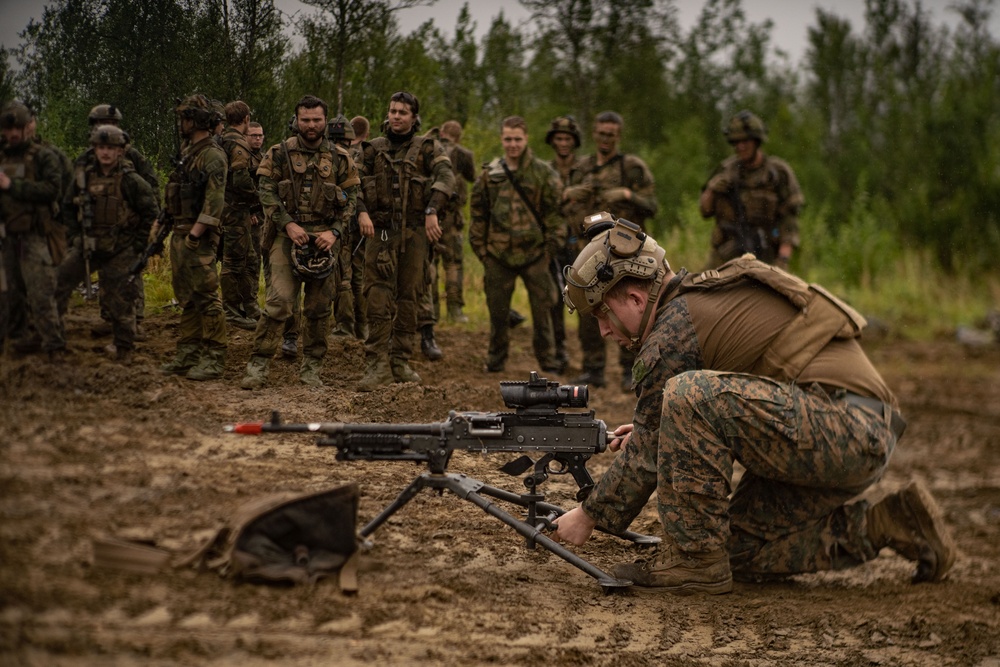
(896, 422)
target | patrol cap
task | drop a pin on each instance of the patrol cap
(15, 114)
(745, 125)
(103, 114)
(108, 135)
(620, 250)
(565, 124)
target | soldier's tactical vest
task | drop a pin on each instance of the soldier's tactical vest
(613, 174)
(758, 193)
(112, 214)
(821, 316)
(24, 216)
(311, 192)
(401, 185)
(184, 195)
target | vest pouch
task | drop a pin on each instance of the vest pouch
(172, 198)
(384, 169)
(188, 204)
(285, 195)
(106, 211)
(333, 199)
(368, 190)
(418, 193)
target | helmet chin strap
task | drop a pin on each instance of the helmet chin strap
(635, 339)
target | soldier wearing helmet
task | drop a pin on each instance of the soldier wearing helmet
(240, 275)
(31, 184)
(754, 198)
(121, 207)
(195, 197)
(308, 187)
(749, 364)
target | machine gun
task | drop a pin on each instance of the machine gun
(565, 441)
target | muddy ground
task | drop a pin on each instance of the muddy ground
(92, 449)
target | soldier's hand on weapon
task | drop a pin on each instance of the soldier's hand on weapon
(326, 240)
(616, 194)
(432, 227)
(365, 224)
(297, 234)
(719, 183)
(575, 527)
(622, 435)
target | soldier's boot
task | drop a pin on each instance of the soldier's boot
(289, 346)
(911, 523)
(252, 310)
(681, 573)
(211, 365)
(187, 357)
(123, 355)
(255, 375)
(402, 372)
(456, 315)
(377, 374)
(237, 319)
(515, 319)
(428, 345)
(309, 372)
(102, 328)
(361, 330)
(343, 329)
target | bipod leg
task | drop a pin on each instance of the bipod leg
(470, 489)
(405, 496)
(549, 509)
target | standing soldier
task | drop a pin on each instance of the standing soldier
(621, 184)
(564, 138)
(516, 228)
(410, 181)
(195, 197)
(255, 139)
(309, 189)
(239, 276)
(340, 131)
(33, 240)
(119, 208)
(363, 155)
(754, 198)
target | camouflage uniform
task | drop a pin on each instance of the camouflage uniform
(124, 207)
(35, 239)
(351, 310)
(770, 197)
(736, 372)
(511, 242)
(600, 190)
(196, 192)
(239, 278)
(407, 175)
(573, 216)
(316, 188)
(449, 248)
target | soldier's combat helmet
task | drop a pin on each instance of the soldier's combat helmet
(745, 125)
(311, 263)
(103, 114)
(565, 124)
(108, 135)
(198, 108)
(339, 129)
(619, 250)
(15, 114)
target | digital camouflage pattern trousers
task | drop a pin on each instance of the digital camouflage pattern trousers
(806, 457)
(196, 287)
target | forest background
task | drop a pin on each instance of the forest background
(893, 130)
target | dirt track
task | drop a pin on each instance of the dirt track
(92, 449)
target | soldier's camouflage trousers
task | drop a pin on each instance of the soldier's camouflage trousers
(196, 288)
(447, 253)
(806, 456)
(350, 301)
(394, 283)
(499, 282)
(240, 275)
(119, 296)
(283, 288)
(29, 267)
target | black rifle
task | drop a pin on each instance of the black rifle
(85, 211)
(565, 440)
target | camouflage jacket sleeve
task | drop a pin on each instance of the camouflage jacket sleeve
(349, 181)
(480, 213)
(144, 167)
(442, 175)
(270, 172)
(212, 161)
(671, 348)
(639, 179)
(142, 199)
(790, 200)
(47, 187)
(464, 163)
(553, 224)
(240, 186)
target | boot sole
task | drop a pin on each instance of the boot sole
(929, 517)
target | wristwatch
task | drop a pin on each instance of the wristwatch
(430, 210)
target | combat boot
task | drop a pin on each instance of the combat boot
(361, 330)
(187, 357)
(343, 330)
(401, 371)
(456, 315)
(377, 374)
(102, 328)
(252, 310)
(679, 572)
(515, 319)
(309, 372)
(255, 375)
(238, 320)
(289, 346)
(211, 365)
(912, 524)
(428, 345)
